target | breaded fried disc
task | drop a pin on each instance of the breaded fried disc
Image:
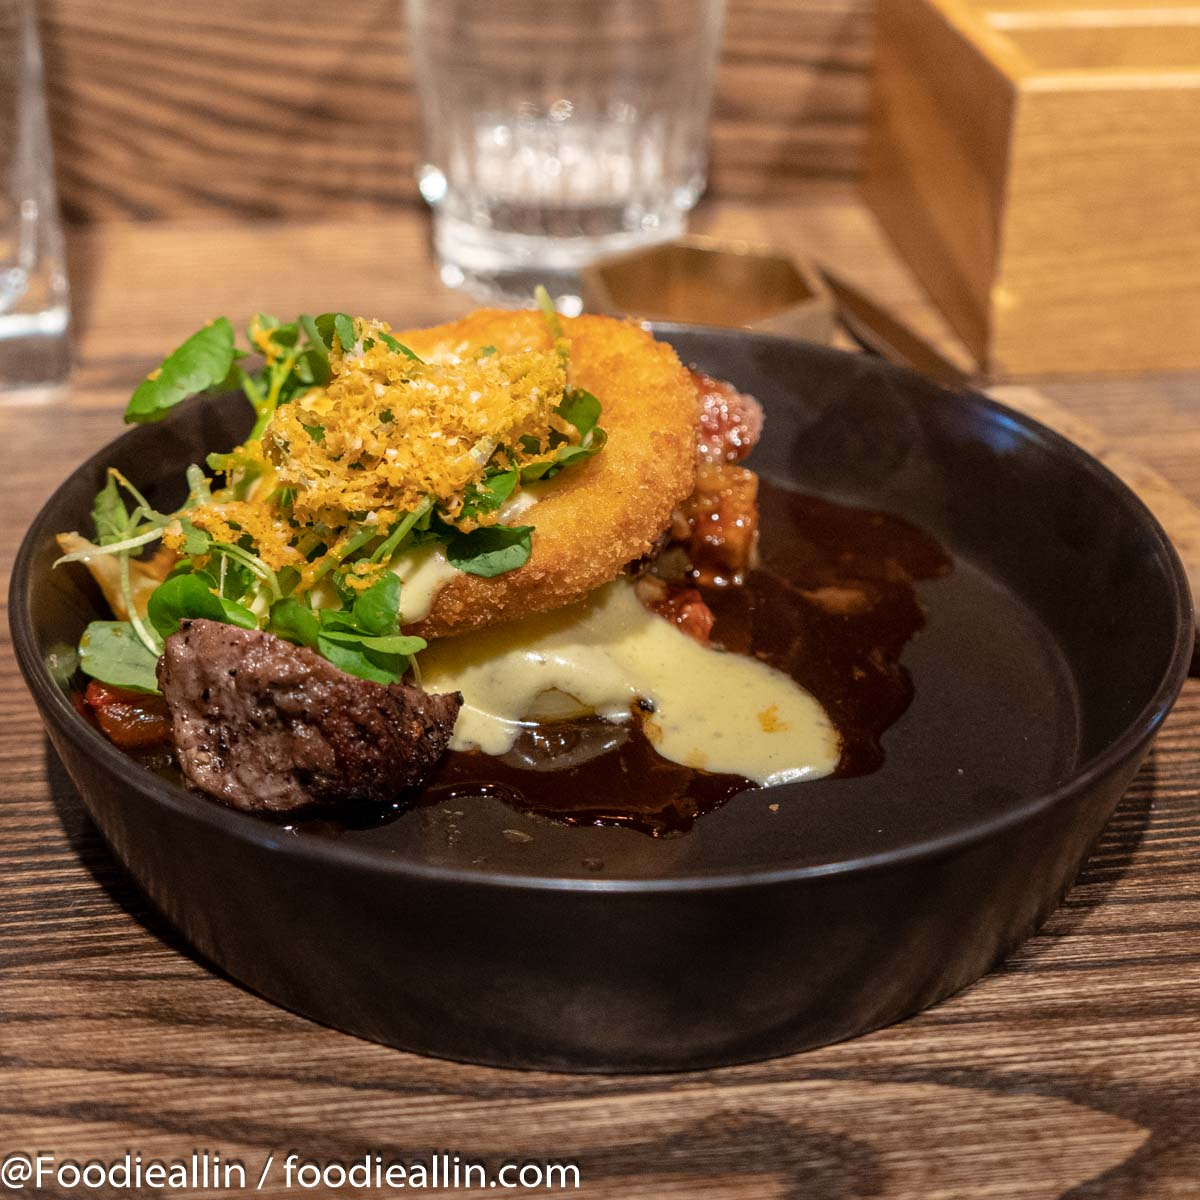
(596, 517)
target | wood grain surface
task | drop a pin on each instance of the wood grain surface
(280, 109)
(1071, 1071)
(1037, 169)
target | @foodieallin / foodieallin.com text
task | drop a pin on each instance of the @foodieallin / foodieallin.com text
(21, 1171)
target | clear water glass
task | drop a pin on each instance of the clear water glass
(34, 308)
(559, 133)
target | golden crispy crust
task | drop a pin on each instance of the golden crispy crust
(600, 515)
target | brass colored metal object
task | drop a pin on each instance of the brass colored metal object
(704, 281)
(875, 329)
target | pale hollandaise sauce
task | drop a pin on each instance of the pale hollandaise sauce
(611, 656)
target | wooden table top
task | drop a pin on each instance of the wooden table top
(1073, 1070)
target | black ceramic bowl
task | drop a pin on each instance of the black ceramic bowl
(1052, 653)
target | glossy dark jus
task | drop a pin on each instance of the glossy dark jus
(1051, 654)
(832, 604)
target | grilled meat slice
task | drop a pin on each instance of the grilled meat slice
(266, 726)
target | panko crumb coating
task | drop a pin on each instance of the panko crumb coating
(597, 517)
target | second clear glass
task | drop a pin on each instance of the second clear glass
(34, 312)
(556, 134)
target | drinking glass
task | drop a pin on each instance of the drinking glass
(559, 133)
(33, 280)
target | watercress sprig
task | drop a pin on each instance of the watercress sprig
(229, 580)
(363, 637)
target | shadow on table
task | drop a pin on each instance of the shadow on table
(88, 843)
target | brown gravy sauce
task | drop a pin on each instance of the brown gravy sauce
(832, 603)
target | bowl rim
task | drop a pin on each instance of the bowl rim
(56, 709)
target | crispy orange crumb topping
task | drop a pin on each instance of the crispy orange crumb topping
(387, 431)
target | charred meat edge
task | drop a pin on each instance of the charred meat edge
(270, 727)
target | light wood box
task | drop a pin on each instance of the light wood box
(1038, 164)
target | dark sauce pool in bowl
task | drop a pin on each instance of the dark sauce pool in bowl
(832, 603)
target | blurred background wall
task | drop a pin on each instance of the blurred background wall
(289, 108)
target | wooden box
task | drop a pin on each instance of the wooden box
(1038, 164)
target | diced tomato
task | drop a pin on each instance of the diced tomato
(131, 720)
(730, 421)
(722, 515)
(687, 610)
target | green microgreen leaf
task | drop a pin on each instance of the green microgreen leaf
(489, 494)
(314, 363)
(112, 652)
(343, 326)
(592, 444)
(316, 432)
(316, 357)
(109, 514)
(398, 347)
(350, 655)
(579, 408)
(532, 472)
(548, 310)
(182, 597)
(285, 337)
(565, 456)
(195, 541)
(362, 639)
(338, 620)
(395, 643)
(294, 621)
(377, 611)
(492, 550)
(201, 362)
(318, 329)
